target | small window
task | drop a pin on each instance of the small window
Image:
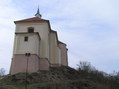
(26, 38)
(30, 30)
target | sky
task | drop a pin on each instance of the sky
(90, 28)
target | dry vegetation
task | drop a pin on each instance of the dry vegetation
(85, 77)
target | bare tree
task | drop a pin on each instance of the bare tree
(86, 66)
(2, 72)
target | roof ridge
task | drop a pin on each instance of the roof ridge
(31, 19)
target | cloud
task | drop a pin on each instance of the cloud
(8, 14)
(89, 27)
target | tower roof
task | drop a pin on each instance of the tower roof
(37, 18)
(33, 19)
(38, 14)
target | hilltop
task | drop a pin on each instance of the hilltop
(59, 78)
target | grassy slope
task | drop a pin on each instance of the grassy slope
(55, 78)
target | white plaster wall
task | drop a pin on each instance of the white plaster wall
(58, 56)
(52, 48)
(55, 54)
(30, 46)
(43, 30)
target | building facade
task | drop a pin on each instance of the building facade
(36, 46)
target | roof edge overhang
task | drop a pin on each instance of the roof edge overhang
(58, 42)
(29, 33)
(33, 19)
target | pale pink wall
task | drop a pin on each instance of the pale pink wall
(55, 65)
(64, 57)
(44, 64)
(19, 64)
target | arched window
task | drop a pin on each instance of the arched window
(30, 30)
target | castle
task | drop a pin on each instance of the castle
(36, 46)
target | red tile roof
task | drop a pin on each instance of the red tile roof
(31, 20)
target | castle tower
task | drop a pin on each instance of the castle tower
(36, 46)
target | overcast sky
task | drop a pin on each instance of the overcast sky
(90, 28)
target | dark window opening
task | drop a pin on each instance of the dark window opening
(26, 38)
(30, 30)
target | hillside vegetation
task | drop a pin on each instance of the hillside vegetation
(85, 77)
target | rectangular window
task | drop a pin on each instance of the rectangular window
(26, 38)
(30, 30)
